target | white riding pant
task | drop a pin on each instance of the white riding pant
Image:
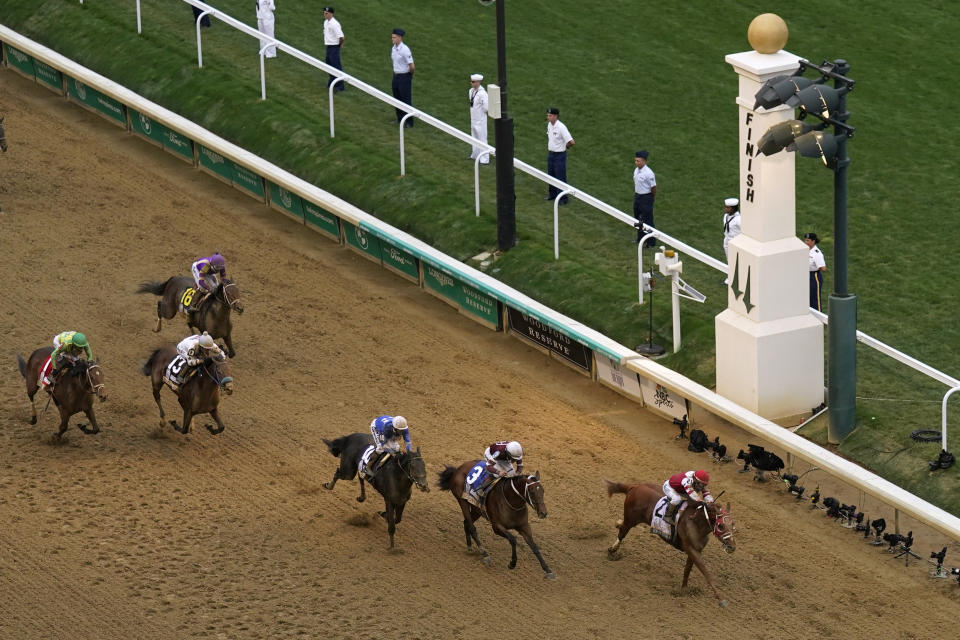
(207, 283)
(670, 492)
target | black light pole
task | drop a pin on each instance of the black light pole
(842, 328)
(829, 105)
(503, 139)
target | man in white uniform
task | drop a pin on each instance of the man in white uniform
(402, 60)
(558, 141)
(731, 227)
(265, 9)
(333, 41)
(478, 114)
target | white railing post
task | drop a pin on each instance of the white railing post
(330, 92)
(139, 27)
(263, 70)
(403, 164)
(476, 179)
(675, 300)
(643, 241)
(943, 412)
(199, 47)
(556, 221)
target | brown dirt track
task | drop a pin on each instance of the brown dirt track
(127, 534)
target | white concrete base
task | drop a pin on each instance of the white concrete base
(774, 369)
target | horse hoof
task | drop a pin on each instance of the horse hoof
(723, 603)
(550, 575)
(361, 498)
(33, 420)
(487, 560)
(327, 486)
(382, 514)
(512, 565)
(614, 555)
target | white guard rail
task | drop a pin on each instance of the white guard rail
(848, 472)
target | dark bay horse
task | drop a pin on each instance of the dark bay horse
(72, 393)
(213, 315)
(394, 479)
(505, 508)
(199, 394)
(695, 524)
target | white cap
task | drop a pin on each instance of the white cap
(399, 423)
(476, 77)
(731, 202)
(513, 448)
(206, 341)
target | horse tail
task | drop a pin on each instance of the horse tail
(445, 477)
(147, 367)
(156, 288)
(22, 365)
(617, 487)
(336, 446)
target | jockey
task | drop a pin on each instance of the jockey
(691, 485)
(208, 273)
(387, 433)
(193, 350)
(68, 345)
(504, 460)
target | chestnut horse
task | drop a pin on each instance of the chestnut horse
(505, 507)
(72, 393)
(693, 529)
(213, 315)
(199, 394)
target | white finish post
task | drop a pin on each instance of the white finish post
(263, 76)
(675, 298)
(139, 28)
(769, 346)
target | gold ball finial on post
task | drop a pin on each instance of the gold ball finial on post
(767, 33)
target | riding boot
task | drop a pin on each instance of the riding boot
(371, 470)
(671, 514)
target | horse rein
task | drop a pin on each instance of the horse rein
(721, 518)
(525, 495)
(221, 381)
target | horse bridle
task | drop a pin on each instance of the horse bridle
(410, 457)
(94, 388)
(525, 495)
(223, 294)
(721, 517)
(222, 381)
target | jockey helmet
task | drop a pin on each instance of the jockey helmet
(206, 341)
(217, 261)
(514, 450)
(702, 477)
(79, 340)
(400, 423)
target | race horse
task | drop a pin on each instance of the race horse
(692, 531)
(73, 392)
(394, 479)
(212, 315)
(199, 394)
(505, 507)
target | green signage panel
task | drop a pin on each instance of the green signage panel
(19, 60)
(96, 100)
(145, 126)
(286, 201)
(321, 219)
(215, 163)
(359, 239)
(468, 298)
(248, 181)
(48, 75)
(400, 260)
(178, 145)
